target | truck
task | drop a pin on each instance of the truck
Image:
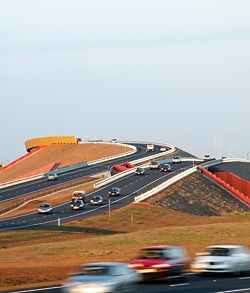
(150, 147)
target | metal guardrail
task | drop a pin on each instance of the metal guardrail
(164, 185)
(118, 176)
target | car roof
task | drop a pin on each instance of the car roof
(225, 246)
(104, 264)
(158, 247)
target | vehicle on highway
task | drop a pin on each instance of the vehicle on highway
(45, 208)
(163, 149)
(154, 165)
(96, 200)
(114, 140)
(206, 158)
(157, 262)
(52, 176)
(78, 194)
(77, 204)
(222, 259)
(139, 171)
(165, 168)
(102, 277)
(176, 160)
(114, 191)
(150, 147)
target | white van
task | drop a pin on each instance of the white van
(150, 147)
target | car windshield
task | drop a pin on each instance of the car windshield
(154, 163)
(114, 189)
(96, 198)
(219, 251)
(154, 253)
(45, 206)
(95, 270)
(77, 203)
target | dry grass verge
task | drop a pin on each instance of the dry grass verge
(48, 256)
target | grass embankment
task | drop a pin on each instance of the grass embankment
(39, 257)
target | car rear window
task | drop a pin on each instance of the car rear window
(219, 251)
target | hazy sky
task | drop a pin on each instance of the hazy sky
(172, 71)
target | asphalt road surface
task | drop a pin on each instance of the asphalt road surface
(131, 186)
(192, 284)
(40, 184)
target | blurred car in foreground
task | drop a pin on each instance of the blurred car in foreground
(222, 259)
(45, 208)
(176, 160)
(52, 176)
(96, 200)
(139, 171)
(157, 262)
(77, 204)
(103, 277)
(114, 191)
(165, 168)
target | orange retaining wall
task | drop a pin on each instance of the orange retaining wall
(22, 158)
(44, 169)
(236, 185)
(35, 142)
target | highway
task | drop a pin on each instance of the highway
(41, 184)
(193, 284)
(131, 186)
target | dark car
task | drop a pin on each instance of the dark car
(114, 191)
(157, 262)
(139, 171)
(77, 204)
(96, 200)
(165, 168)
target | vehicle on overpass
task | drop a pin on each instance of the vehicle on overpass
(154, 165)
(96, 200)
(78, 194)
(176, 160)
(139, 171)
(52, 176)
(103, 277)
(222, 259)
(150, 147)
(165, 168)
(157, 262)
(114, 191)
(45, 208)
(77, 204)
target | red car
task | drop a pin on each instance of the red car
(157, 262)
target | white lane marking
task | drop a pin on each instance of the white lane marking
(176, 285)
(237, 290)
(39, 289)
(244, 278)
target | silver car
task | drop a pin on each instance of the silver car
(103, 277)
(45, 209)
(222, 259)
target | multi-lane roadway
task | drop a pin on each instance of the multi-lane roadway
(130, 185)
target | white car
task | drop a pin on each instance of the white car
(163, 149)
(222, 259)
(103, 277)
(52, 176)
(77, 204)
(176, 160)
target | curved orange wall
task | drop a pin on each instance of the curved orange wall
(42, 141)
